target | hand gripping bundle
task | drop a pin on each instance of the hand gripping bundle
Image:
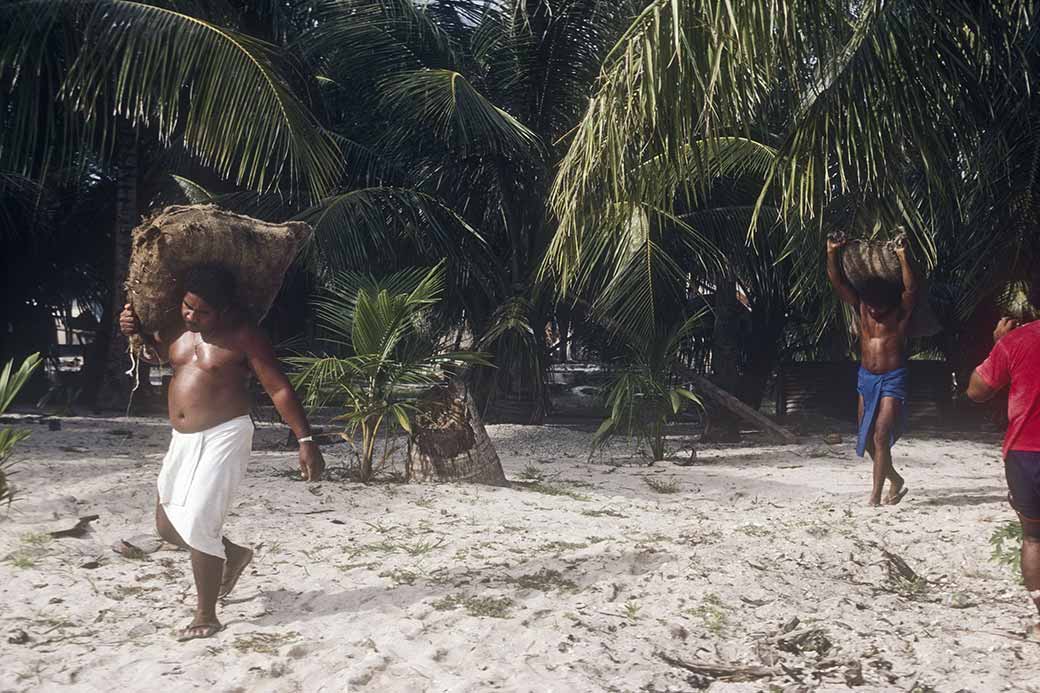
(862, 260)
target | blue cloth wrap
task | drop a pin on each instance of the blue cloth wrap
(874, 386)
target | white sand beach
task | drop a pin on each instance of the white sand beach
(601, 576)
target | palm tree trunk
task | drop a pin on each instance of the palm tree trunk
(725, 355)
(763, 353)
(449, 441)
(111, 387)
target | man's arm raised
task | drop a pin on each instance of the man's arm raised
(264, 363)
(845, 290)
(909, 298)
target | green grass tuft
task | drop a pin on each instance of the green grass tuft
(545, 580)
(550, 489)
(491, 607)
(713, 613)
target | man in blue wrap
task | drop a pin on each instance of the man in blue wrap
(884, 311)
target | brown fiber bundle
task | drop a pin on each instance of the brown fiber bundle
(166, 245)
(863, 260)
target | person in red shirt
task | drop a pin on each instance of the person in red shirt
(1015, 362)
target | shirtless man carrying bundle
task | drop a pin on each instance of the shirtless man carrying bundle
(213, 351)
(884, 313)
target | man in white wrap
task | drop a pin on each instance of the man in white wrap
(213, 352)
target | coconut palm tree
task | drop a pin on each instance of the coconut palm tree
(52, 262)
(456, 112)
(884, 101)
(377, 322)
(644, 394)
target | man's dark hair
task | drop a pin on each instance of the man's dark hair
(878, 293)
(213, 282)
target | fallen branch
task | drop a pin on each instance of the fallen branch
(711, 391)
(78, 530)
(719, 670)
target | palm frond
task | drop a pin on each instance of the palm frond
(359, 227)
(869, 86)
(195, 193)
(461, 117)
(34, 45)
(226, 95)
(377, 37)
(11, 381)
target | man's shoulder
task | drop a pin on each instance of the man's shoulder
(248, 336)
(171, 333)
(1025, 338)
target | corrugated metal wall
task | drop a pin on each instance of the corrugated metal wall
(829, 389)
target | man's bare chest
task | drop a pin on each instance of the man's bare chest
(880, 331)
(890, 326)
(192, 350)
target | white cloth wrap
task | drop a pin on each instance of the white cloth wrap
(199, 476)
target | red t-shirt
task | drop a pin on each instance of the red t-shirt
(1015, 359)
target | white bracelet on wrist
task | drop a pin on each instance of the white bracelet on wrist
(305, 439)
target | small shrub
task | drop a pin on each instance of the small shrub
(10, 384)
(22, 559)
(1007, 546)
(532, 473)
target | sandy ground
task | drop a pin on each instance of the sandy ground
(589, 579)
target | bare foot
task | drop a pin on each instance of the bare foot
(896, 491)
(874, 501)
(238, 557)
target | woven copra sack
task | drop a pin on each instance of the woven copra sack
(863, 260)
(256, 252)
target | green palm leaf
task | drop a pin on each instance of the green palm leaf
(225, 95)
(868, 85)
(357, 227)
(11, 381)
(459, 115)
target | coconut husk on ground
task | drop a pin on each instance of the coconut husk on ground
(862, 260)
(166, 245)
